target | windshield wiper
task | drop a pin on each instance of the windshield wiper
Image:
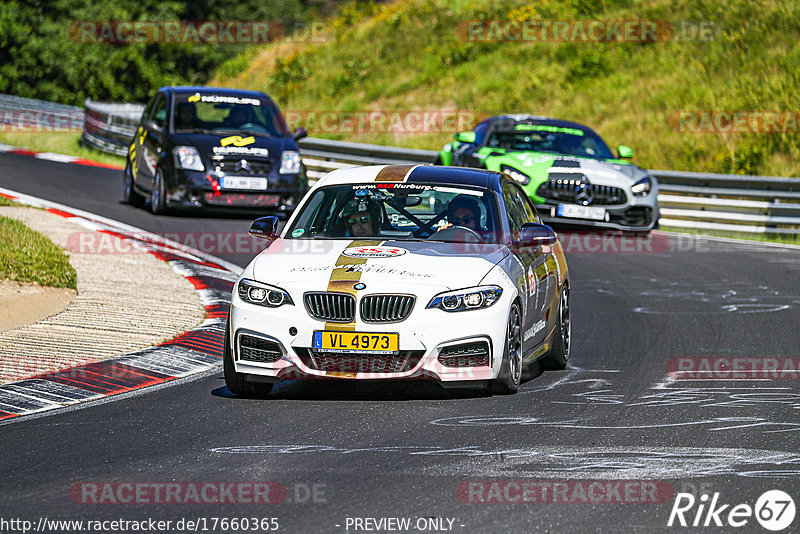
(239, 130)
(195, 130)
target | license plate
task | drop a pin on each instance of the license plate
(373, 343)
(581, 212)
(243, 182)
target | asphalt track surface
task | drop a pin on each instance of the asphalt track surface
(404, 450)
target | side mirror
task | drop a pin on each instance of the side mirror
(533, 234)
(154, 128)
(465, 137)
(299, 133)
(265, 227)
(625, 151)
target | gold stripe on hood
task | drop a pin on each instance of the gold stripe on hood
(394, 173)
(342, 280)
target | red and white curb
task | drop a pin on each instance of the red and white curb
(52, 156)
(192, 352)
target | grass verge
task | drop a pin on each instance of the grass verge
(28, 256)
(8, 202)
(411, 56)
(60, 143)
(784, 239)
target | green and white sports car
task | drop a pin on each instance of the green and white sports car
(564, 167)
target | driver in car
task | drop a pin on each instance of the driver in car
(362, 217)
(187, 116)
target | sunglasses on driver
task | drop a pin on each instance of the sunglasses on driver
(467, 219)
(364, 219)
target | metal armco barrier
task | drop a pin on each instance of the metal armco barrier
(21, 114)
(110, 127)
(729, 202)
(689, 200)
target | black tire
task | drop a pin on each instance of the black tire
(558, 356)
(129, 194)
(158, 200)
(508, 381)
(236, 382)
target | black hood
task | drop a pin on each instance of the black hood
(241, 145)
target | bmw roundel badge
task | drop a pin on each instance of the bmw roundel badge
(359, 286)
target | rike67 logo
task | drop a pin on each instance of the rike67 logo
(774, 510)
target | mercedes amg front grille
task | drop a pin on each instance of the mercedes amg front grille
(330, 306)
(258, 349)
(386, 308)
(576, 189)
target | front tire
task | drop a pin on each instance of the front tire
(158, 201)
(236, 382)
(129, 194)
(508, 381)
(559, 351)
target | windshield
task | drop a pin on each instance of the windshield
(213, 113)
(545, 138)
(399, 211)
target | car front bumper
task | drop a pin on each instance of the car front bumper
(426, 338)
(199, 190)
(634, 218)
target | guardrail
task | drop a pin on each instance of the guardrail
(110, 127)
(20, 114)
(689, 200)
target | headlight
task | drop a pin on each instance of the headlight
(290, 162)
(254, 292)
(519, 176)
(187, 157)
(641, 188)
(471, 298)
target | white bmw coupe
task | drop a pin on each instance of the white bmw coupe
(402, 272)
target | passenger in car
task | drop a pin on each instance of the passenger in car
(464, 211)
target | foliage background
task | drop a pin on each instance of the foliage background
(407, 55)
(39, 60)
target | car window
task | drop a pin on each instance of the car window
(148, 109)
(225, 113)
(527, 205)
(515, 209)
(480, 132)
(160, 110)
(399, 211)
(543, 138)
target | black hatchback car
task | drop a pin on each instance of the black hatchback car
(204, 147)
